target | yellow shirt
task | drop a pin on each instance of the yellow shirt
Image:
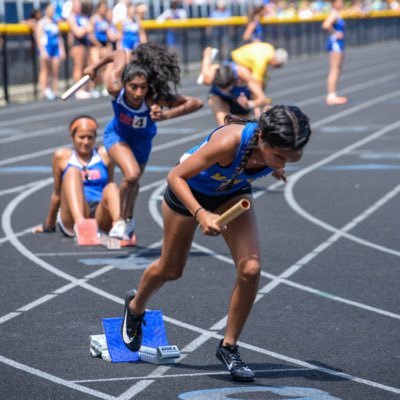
(254, 56)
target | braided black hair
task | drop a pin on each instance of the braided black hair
(160, 68)
(281, 127)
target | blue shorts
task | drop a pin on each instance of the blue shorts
(53, 51)
(140, 146)
(335, 45)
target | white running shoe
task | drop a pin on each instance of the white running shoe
(130, 229)
(82, 95)
(118, 230)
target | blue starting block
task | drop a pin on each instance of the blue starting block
(155, 347)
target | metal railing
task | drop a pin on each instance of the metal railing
(18, 62)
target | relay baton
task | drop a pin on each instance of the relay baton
(75, 87)
(229, 215)
(214, 53)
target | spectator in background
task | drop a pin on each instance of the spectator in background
(335, 26)
(304, 11)
(51, 50)
(220, 35)
(141, 11)
(254, 31)
(34, 17)
(113, 33)
(58, 10)
(79, 44)
(175, 12)
(132, 30)
(120, 11)
(98, 36)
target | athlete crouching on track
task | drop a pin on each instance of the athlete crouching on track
(83, 183)
(209, 179)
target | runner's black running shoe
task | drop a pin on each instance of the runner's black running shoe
(131, 328)
(229, 355)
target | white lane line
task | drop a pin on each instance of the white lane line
(55, 293)
(190, 375)
(359, 107)
(334, 238)
(55, 379)
(142, 384)
(204, 336)
(332, 296)
(19, 234)
(351, 89)
(294, 89)
(15, 189)
(47, 181)
(316, 99)
(294, 178)
(114, 298)
(84, 254)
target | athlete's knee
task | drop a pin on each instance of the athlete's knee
(249, 269)
(132, 177)
(168, 274)
(112, 188)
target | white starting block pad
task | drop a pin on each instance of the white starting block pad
(155, 347)
(160, 355)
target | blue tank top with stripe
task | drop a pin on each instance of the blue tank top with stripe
(100, 30)
(129, 122)
(130, 35)
(209, 180)
(94, 175)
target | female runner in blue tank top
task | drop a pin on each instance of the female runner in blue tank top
(140, 84)
(83, 183)
(209, 179)
(254, 30)
(335, 25)
(51, 51)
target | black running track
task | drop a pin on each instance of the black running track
(326, 321)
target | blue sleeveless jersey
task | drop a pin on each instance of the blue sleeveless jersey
(100, 30)
(131, 123)
(50, 38)
(209, 180)
(130, 35)
(94, 175)
(333, 44)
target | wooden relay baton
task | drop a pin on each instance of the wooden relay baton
(233, 212)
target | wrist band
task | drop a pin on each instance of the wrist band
(196, 212)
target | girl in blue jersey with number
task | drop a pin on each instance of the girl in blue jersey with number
(140, 83)
(209, 179)
(83, 183)
(335, 25)
(51, 51)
